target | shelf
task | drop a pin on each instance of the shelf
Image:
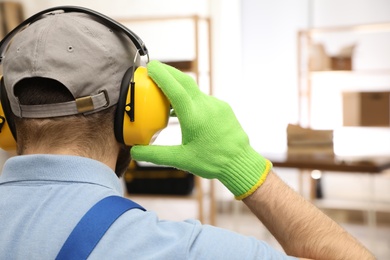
(374, 72)
(362, 28)
(370, 68)
(376, 206)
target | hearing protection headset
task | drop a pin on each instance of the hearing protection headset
(142, 109)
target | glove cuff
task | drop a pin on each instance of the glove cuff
(245, 173)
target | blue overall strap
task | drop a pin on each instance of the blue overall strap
(93, 225)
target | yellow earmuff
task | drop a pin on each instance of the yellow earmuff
(7, 140)
(146, 111)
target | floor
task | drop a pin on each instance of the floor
(234, 216)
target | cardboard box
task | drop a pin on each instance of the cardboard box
(309, 142)
(319, 60)
(366, 109)
(340, 63)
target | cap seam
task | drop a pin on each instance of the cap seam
(42, 40)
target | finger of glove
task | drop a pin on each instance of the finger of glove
(176, 85)
(159, 154)
(185, 80)
(172, 89)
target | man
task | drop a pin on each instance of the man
(69, 159)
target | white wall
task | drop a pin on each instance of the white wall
(349, 12)
(268, 91)
(125, 8)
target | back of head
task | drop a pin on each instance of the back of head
(87, 135)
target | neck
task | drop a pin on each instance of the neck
(108, 158)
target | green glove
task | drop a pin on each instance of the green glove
(213, 143)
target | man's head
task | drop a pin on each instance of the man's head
(62, 77)
(75, 49)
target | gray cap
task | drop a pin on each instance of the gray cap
(75, 49)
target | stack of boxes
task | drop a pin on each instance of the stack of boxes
(309, 142)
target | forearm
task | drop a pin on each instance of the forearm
(301, 228)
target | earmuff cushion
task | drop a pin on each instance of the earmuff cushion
(120, 109)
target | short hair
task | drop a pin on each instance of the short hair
(85, 133)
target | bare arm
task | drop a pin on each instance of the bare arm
(301, 228)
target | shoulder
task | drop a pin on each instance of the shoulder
(142, 235)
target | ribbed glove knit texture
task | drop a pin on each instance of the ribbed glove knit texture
(214, 145)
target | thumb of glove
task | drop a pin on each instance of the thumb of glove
(159, 154)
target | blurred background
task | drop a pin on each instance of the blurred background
(316, 65)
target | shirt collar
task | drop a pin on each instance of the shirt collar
(67, 168)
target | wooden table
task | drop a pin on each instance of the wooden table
(368, 164)
(330, 163)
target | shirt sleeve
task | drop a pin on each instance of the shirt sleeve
(209, 242)
(141, 235)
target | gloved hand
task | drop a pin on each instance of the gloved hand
(213, 143)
